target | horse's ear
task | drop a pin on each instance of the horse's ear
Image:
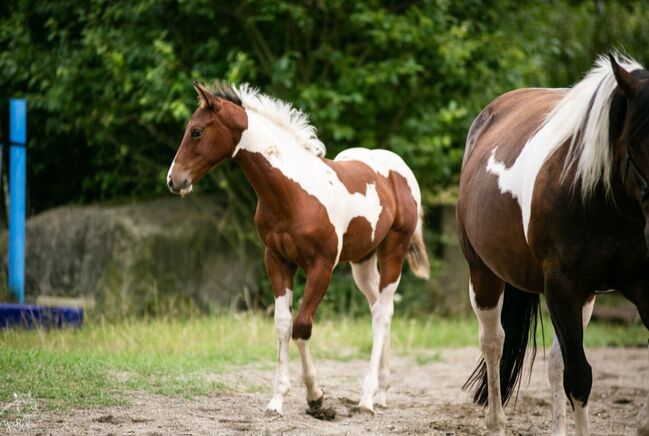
(208, 100)
(628, 84)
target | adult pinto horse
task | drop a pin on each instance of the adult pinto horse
(554, 199)
(364, 207)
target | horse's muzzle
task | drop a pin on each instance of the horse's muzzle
(183, 187)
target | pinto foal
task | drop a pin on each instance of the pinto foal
(364, 207)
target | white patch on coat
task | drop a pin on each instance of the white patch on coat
(283, 325)
(384, 161)
(279, 147)
(519, 179)
(580, 119)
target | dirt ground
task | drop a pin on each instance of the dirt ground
(425, 398)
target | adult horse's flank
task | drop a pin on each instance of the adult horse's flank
(364, 207)
(554, 199)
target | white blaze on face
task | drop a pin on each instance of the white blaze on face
(520, 178)
(171, 168)
(312, 174)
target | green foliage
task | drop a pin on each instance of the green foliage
(109, 82)
(109, 88)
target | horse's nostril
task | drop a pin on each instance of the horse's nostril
(170, 183)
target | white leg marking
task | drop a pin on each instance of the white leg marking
(382, 311)
(581, 418)
(555, 375)
(643, 419)
(492, 338)
(366, 276)
(384, 372)
(283, 324)
(313, 391)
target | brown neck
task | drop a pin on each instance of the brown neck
(268, 182)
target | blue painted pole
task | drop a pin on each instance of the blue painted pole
(17, 182)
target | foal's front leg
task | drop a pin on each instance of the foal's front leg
(281, 278)
(318, 277)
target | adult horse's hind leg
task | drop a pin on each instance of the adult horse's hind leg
(555, 374)
(366, 276)
(391, 254)
(281, 279)
(486, 294)
(566, 306)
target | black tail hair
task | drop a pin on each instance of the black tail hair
(519, 318)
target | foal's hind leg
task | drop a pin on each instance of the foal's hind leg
(486, 294)
(366, 276)
(555, 374)
(391, 254)
(281, 279)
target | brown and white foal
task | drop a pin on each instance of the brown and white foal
(364, 207)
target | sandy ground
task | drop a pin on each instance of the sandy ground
(425, 398)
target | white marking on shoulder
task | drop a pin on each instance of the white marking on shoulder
(282, 151)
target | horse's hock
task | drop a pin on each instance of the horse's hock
(160, 256)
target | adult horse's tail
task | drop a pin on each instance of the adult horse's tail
(417, 256)
(519, 319)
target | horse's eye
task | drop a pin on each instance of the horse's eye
(197, 133)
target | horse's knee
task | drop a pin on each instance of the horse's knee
(577, 381)
(302, 329)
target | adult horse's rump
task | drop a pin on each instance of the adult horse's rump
(554, 200)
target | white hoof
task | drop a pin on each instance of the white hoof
(274, 408)
(381, 399)
(366, 404)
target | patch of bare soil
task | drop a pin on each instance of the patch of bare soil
(424, 399)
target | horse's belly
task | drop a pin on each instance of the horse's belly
(493, 224)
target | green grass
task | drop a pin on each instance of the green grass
(98, 364)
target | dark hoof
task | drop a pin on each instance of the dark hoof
(316, 404)
(322, 413)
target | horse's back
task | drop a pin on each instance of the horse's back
(490, 217)
(383, 162)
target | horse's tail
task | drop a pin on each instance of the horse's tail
(519, 318)
(417, 256)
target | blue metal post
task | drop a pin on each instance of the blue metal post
(17, 182)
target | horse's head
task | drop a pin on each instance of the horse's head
(633, 141)
(211, 136)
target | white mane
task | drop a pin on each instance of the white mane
(582, 119)
(282, 114)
